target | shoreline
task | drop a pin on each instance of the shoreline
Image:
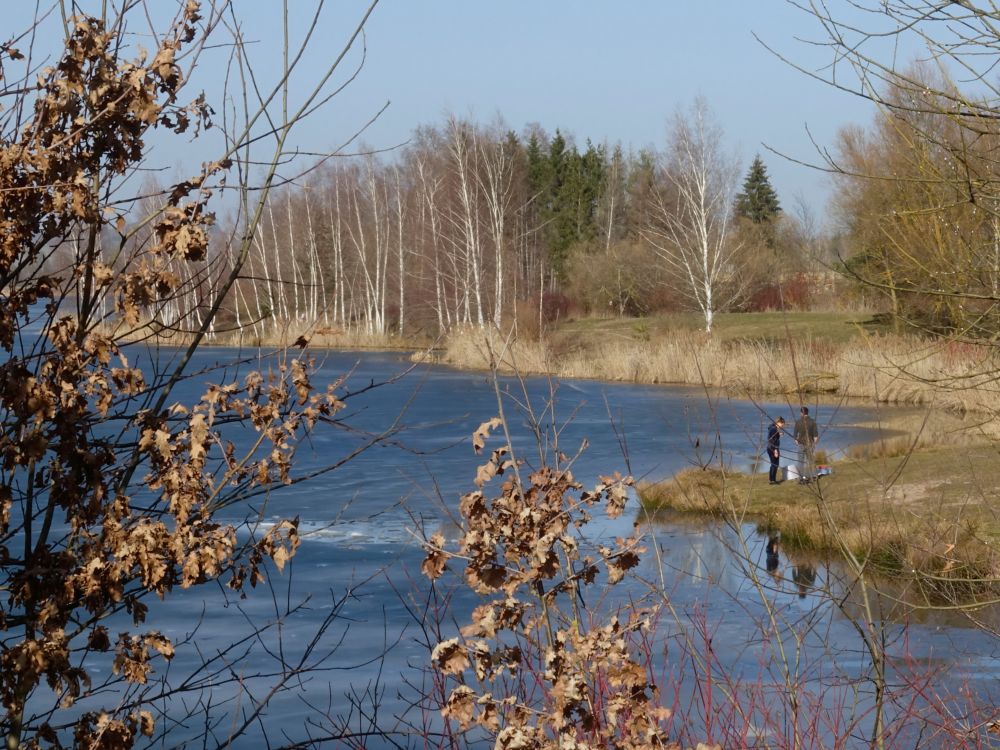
(874, 369)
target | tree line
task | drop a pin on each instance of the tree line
(475, 224)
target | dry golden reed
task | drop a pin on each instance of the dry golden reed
(886, 369)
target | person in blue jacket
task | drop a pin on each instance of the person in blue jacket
(774, 447)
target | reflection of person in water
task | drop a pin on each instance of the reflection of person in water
(771, 556)
(804, 577)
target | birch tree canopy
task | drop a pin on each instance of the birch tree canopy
(692, 211)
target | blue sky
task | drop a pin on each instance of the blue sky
(608, 71)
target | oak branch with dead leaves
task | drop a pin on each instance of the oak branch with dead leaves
(108, 493)
(534, 668)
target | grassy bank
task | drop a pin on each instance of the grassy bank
(930, 511)
(759, 354)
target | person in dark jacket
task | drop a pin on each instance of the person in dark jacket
(806, 436)
(774, 447)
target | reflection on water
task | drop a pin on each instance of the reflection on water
(758, 592)
(771, 557)
(804, 578)
(895, 599)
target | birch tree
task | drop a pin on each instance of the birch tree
(461, 146)
(691, 214)
(429, 185)
(496, 185)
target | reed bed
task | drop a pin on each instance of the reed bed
(486, 348)
(883, 368)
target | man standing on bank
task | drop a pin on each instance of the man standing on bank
(806, 436)
(774, 447)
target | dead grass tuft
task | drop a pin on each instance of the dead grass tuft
(480, 348)
(691, 490)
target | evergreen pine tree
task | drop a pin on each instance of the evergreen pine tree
(539, 176)
(561, 224)
(640, 186)
(758, 201)
(567, 186)
(592, 175)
